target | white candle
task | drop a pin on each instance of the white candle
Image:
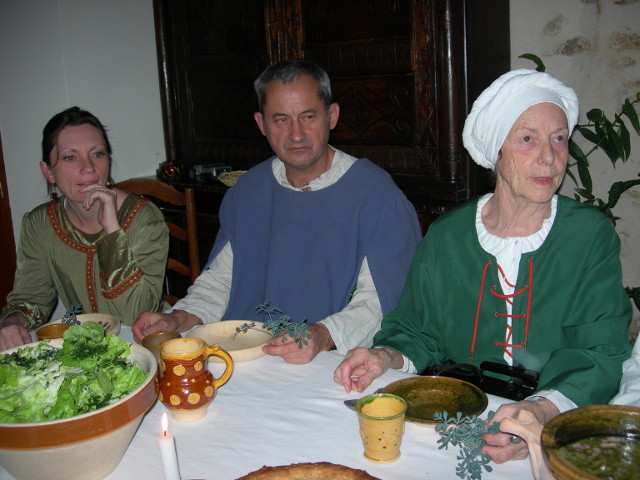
(168, 452)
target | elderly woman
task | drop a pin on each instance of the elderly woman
(520, 276)
(96, 246)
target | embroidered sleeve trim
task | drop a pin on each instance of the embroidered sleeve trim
(124, 286)
(128, 220)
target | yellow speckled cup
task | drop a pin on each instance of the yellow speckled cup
(381, 419)
(187, 386)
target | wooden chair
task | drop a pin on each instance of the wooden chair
(163, 192)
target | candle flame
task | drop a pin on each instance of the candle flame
(165, 424)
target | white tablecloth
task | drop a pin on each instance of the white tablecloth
(273, 413)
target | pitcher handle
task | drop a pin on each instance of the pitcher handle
(224, 355)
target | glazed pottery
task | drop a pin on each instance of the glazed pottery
(593, 421)
(243, 346)
(187, 386)
(426, 396)
(87, 446)
(381, 420)
(51, 331)
(154, 342)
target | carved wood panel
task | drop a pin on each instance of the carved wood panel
(400, 71)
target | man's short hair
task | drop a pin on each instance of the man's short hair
(289, 70)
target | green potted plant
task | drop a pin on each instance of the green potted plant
(613, 137)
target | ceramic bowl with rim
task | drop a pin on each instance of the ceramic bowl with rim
(87, 446)
(110, 323)
(428, 395)
(243, 346)
(595, 421)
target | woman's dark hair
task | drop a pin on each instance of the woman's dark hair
(71, 117)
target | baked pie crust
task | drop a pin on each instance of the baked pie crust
(308, 471)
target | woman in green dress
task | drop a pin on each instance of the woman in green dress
(92, 245)
(521, 277)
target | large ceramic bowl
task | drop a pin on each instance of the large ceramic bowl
(87, 446)
(243, 346)
(595, 422)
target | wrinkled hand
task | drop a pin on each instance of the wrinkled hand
(289, 350)
(13, 332)
(499, 445)
(105, 200)
(154, 322)
(361, 366)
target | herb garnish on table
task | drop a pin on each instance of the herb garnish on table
(465, 432)
(280, 326)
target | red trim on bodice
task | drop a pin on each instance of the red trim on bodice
(527, 289)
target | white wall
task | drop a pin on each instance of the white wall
(594, 47)
(97, 54)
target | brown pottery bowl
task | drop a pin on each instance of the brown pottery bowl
(585, 422)
(87, 446)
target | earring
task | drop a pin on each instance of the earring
(53, 191)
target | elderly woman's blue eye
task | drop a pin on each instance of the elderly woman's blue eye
(526, 138)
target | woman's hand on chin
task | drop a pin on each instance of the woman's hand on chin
(105, 202)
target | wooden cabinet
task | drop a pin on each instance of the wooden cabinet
(403, 71)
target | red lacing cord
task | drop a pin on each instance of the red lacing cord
(475, 325)
(505, 277)
(507, 297)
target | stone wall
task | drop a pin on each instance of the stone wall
(594, 47)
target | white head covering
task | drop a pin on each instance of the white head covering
(500, 105)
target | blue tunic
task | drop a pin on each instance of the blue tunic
(303, 251)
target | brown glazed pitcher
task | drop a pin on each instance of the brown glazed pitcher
(187, 386)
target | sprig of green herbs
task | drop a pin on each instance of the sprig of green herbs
(283, 325)
(70, 315)
(465, 432)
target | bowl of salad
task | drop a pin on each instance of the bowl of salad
(70, 407)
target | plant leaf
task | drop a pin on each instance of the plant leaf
(617, 189)
(607, 144)
(588, 134)
(582, 165)
(616, 141)
(540, 67)
(632, 115)
(625, 138)
(596, 115)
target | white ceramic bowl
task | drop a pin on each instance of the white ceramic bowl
(87, 446)
(243, 347)
(110, 323)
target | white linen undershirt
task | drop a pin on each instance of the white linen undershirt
(351, 327)
(508, 252)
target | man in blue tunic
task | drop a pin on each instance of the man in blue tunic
(320, 234)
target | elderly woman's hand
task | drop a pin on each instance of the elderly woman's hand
(361, 366)
(503, 446)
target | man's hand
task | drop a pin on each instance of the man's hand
(361, 366)
(289, 350)
(154, 322)
(499, 445)
(13, 332)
